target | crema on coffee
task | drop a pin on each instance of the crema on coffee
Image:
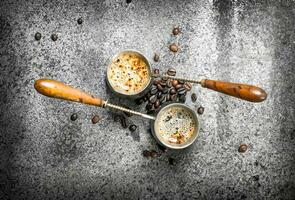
(176, 125)
(128, 74)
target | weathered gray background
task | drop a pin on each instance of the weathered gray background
(44, 155)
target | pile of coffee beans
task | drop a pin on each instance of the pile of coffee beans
(164, 90)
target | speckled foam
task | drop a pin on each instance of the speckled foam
(45, 155)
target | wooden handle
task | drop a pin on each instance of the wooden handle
(59, 90)
(242, 91)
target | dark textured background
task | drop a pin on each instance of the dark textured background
(44, 155)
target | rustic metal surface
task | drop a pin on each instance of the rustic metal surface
(45, 155)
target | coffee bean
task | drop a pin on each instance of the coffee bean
(156, 71)
(171, 72)
(165, 90)
(171, 161)
(200, 110)
(243, 148)
(54, 37)
(38, 36)
(181, 91)
(146, 153)
(156, 82)
(74, 116)
(163, 83)
(128, 1)
(169, 83)
(182, 98)
(154, 91)
(139, 101)
(95, 119)
(174, 83)
(173, 97)
(148, 95)
(194, 97)
(153, 99)
(132, 127)
(154, 154)
(80, 21)
(160, 87)
(173, 91)
(159, 95)
(123, 122)
(163, 99)
(162, 148)
(168, 97)
(187, 86)
(156, 57)
(157, 104)
(149, 106)
(178, 86)
(181, 82)
(176, 31)
(173, 48)
(145, 99)
(117, 118)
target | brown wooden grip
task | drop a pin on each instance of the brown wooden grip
(59, 90)
(242, 91)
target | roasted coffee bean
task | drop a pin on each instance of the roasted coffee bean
(154, 154)
(163, 99)
(156, 82)
(157, 104)
(74, 116)
(169, 83)
(163, 83)
(173, 47)
(171, 72)
(243, 148)
(148, 95)
(182, 98)
(145, 99)
(160, 87)
(187, 86)
(54, 37)
(154, 91)
(165, 90)
(165, 78)
(38, 36)
(159, 95)
(164, 149)
(174, 83)
(156, 71)
(149, 106)
(117, 118)
(123, 122)
(153, 98)
(200, 110)
(178, 86)
(173, 97)
(146, 153)
(95, 119)
(168, 97)
(173, 91)
(156, 58)
(132, 127)
(194, 97)
(80, 21)
(181, 82)
(139, 101)
(176, 31)
(181, 91)
(171, 161)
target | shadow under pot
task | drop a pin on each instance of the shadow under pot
(129, 74)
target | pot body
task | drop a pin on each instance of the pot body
(144, 90)
(155, 126)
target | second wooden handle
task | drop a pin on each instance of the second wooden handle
(242, 91)
(59, 90)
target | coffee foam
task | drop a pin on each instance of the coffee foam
(128, 74)
(176, 125)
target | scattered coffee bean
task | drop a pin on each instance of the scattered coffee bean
(243, 148)
(173, 97)
(160, 87)
(156, 57)
(173, 91)
(80, 21)
(174, 83)
(95, 119)
(74, 116)
(159, 95)
(200, 110)
(182, 98)
(163, 99)
(171, 161)
(163, 83)
(54, 37)
(145, 99)
(154, 154)
(176, 31)
(156, 82)
(171, 72)
(149, 106)
(173, 48)
(123, 122)
(178, 86)
(169, 83)
(156, 71)
(165, 90)
(157, 104)
(38, 36)
(194, 97)
(187, 86)
(180, 81)
(117, 118)
(132, 127)
(168, 97)
(153, 99)
(162, 148)
(164, 78)
(181, 91)
(154, 91)
(146, 153)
